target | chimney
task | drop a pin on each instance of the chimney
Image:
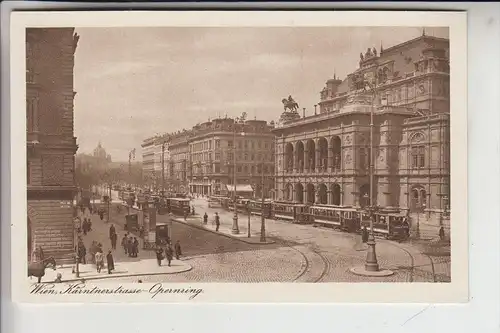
(303, 112)
(315, 105)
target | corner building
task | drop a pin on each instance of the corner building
(51, 145)
(325, 158)
(211, 148)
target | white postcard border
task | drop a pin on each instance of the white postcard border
(456, 291)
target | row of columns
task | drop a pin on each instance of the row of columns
(316, 163)
(290, 193)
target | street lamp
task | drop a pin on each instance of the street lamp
(235, 229)
(262, 218)
(371, 267)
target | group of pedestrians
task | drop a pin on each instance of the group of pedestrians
(130, 245)
(216, 220)
(168, 252)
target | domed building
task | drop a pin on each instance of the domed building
(100, 153)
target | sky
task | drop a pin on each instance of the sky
(133, 83)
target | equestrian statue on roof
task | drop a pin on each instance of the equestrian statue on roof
(290, 104)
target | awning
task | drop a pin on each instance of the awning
(240, 188)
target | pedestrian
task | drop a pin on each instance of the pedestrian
(141, 232)
(101, 215)
(185, 215)
(159, 255)
(124, 243)
(110, 262)
(58, 278)
(364, 234)
(177, 248)
(112, 231)
(406, 227)
(114, 238)
(99, 261)
(169, 254)
(217, 221)
(130, 250)
(84, 226)
(82, 253)
(136, 247)
(441, 233)
(205, 218)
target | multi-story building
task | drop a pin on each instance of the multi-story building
(324, 158)
(154, 149)
(212, 146)
(179, 161)
(148, 161)
(51, 145)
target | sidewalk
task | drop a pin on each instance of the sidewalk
(224, 230)
(122, 269)
(144, 264)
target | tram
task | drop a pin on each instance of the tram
(216, 201)
(178, 206)
(256, 208)
(241, 205)
(344, 218)
(290, 211)
(388, 225)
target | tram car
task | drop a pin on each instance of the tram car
(241, 205)
(216, 201)
(345, 218)
(178, 206)
(388, 225)
(256, 208)
(290, 211)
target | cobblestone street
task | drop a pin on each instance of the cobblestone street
(301, 253)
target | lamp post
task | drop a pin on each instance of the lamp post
(371, 264)
(235, 230)
(77, 226)
(262, 218)
(163, 169)
(371, 267)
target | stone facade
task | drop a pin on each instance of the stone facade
(153, 150)
(179, 161)
(325, 158)
(51, 145)
(212, 146)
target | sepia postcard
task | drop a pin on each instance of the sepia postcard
(224, 157)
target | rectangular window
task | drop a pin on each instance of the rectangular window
(217, 156)
(418, 157)
(210, 144)
(230, 156)
(421, 157)
(259, 144)
(229, 143)
(217, 143)
(246, 144)
(239, 168)
(240, 144)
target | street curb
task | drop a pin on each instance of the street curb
(242, 239)
(111, 276)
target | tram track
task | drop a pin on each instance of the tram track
(413, 268)
(307, 262)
